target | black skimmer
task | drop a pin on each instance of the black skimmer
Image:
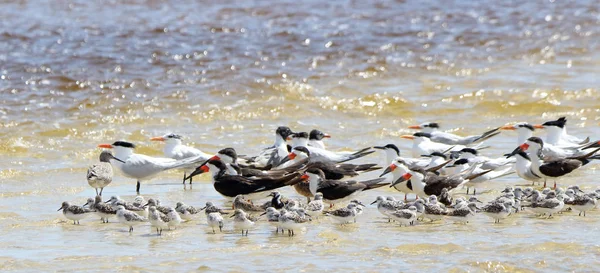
(176, 150)
(315, 138)
(99, 175)
(452, 139)
(335, 191)
(554, 168)
(253, 188)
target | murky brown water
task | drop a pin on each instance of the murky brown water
(74, 74)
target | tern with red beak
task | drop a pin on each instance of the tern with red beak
(554, 168)
(138, 166)
(176, 150)
(315, 139)
(557, 133)
(452, 139)
(423, 145)
(550, 152)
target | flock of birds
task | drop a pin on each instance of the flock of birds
(442, 163)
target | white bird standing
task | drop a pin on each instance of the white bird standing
(452, 139)
(176, 150)
(138, 166)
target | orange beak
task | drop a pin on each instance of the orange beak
(305, 177)
(407, 136)
(538, 126)
(415, 127)
(205, 168)
(407, 176)
(393, 167)
(524, 146)
(292, 156)
(215, 157)
(159, 138)
(326, 136)
(106, 146)
(288, 138)
(507, 127)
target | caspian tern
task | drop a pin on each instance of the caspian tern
(423, 145)
(392, 153)
(335, 191)
(452, 139)
(463, 164)
(99, 175)
(315, 139)
(322, 155)
(139, 166)
(230, 186)
(550, 152)
(272, 155)
(176, 150)
(555, 168)
(557, 133)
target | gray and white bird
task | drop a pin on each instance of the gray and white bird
(344, 215)
(100, 175)
(73, 212)
(241, 221)
(497, 210)
(174, 218)
(186, 212)
(214, 217)
(452, 139)
(315, 207)
(405, 217)
(129, 218)
(157, 219)
(105, 211)
(273, 217)
(293, 220)
(239, 202)
(315, 138)
(175, 149)
(463, 214)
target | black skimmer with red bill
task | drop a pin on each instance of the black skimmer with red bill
(452, 139)
(335, 191)
(554, 168)
(230, 186)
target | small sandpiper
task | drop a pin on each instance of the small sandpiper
(463, 214)
(405, 216)
(103, 210)
(73, 212)
(239, 202)
(129, 218)
(316, 206)
(186, 212)
(174, 218)
(293, 220)
(156, 203)
(157, 219)
(241, 221)
(497, 210)
(272, 217)
(344, 215)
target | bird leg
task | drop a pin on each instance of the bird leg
(467, 190)
(101, 189)
(554, 188)
(191, 178)
(97, 191)
(474, 191)
(405, 196)
(137, 187)
(544, 183)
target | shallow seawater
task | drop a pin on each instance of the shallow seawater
(74, 74)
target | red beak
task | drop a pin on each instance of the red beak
(524, 146)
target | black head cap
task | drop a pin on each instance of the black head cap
(526, 125)
(302, 149)
(229, 152)
(316, 135)
(175, 136)
(432, 125)
(124, 144)
(461, 161)
(561, 122)
(284, 131)
(469, 150)
(422, 134)
(301, 135)
(438, 154)
(536, 140)
(389, 146)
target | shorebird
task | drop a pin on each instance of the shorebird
(99, 175)
(452, 139)
(315, 138)
(129, 218)
(241, 221)
(73, 212)
(176, 150)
